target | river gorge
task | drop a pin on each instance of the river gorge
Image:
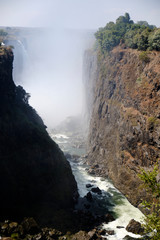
(110, 200)
(73, 173)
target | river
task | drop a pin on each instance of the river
(110, 198)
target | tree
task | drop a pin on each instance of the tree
(152, 186)
(123, 19)
(130, 40)
(21, 94)
(127, 17)
(141, 36)
(154, 40)
(142, 39)
(145, 23)
(110, 26)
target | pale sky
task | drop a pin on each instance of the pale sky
(88, 14)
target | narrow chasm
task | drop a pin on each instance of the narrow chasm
(80, 178)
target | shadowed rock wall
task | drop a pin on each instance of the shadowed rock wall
(35, 177)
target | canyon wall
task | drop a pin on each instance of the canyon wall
(125, 120)
(35, 178)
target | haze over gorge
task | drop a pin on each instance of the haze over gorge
(79, 120)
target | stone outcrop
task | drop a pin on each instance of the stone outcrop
(29, 229)
(35, 177)
(125, 122)
(135, 227)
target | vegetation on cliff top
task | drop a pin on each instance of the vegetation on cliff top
(140, 35)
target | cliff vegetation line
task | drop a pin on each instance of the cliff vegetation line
(140, 35)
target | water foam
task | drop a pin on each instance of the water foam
(120, 206)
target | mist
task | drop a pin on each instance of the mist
(51, 70)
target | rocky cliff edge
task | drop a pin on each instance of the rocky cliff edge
(35, 177)
(125, 121)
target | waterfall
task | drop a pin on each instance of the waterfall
(21, 59)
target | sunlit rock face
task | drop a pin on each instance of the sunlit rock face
(35, 177)
(125, 120)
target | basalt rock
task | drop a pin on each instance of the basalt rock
(135, 227)
(89, 197)
(88, 185)
(35, 177)
(96, 190)
(123, 95)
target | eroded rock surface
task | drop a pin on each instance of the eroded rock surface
(125, 121)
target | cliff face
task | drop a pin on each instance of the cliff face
(125, 123)
(35, 177)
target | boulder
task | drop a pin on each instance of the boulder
(89, 197)
(13, 225)
(81, 235)
(88, 185)
(108, 218)
(91, 171)
(30, 226)
(110, 232)
(102, 232)
(93, 234)
(95, 166)
(135, 227)
(96, 190)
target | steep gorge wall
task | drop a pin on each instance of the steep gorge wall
(125, 122)
(35, 177)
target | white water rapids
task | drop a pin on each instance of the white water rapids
(111, 198)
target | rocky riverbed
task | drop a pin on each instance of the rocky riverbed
(28, 229)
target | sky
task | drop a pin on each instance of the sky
(77, 14)
(52, 62)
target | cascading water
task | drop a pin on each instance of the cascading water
(21, 59)
(110, 199)
(23, 48)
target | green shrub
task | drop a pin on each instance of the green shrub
(143, 56)
(152, 122)
(110, 36)
(139, 80)
(152, 186)
(15, 236)
(154, 40)
(141, 36)
(141, 39)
